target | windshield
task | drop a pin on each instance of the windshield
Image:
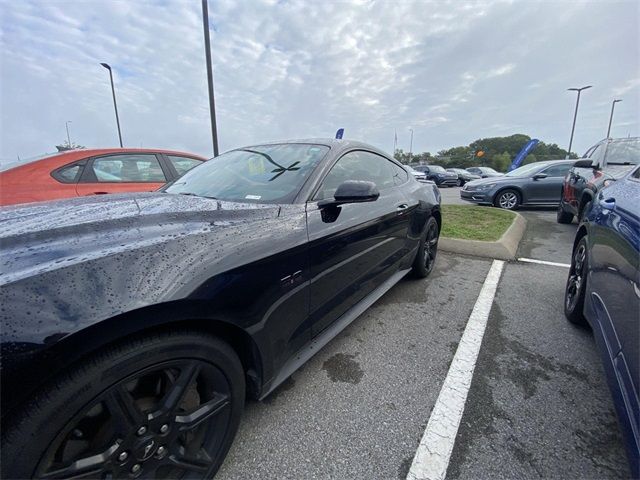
(264, 174)
(524, 171)
(436, 168)
(626, 152)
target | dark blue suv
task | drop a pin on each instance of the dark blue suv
(603, 290)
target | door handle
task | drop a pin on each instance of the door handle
(96, 193)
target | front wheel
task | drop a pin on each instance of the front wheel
(426, 257)
(574, 293)
(160, 406)
(508, 199)
(460, 182)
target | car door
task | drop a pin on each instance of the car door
(615, 280)
(548, 189)
(119, 173)
(353, 253)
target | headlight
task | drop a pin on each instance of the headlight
(485, 186)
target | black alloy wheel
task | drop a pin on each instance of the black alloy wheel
(576, 285)
(167, 406)
(508, 199)
(427, 251)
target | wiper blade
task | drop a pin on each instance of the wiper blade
(191, 194)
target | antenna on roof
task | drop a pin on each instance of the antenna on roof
(340, 133)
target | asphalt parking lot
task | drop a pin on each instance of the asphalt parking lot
(538, 404)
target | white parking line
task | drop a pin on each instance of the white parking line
(433, 454)
(544, 262)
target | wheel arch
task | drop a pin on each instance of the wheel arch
(582, 232)
(437, 214)
(181, 315)
(585, 197)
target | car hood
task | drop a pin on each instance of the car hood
(491, 180)
(445, 174)
(39, 236)
(618, 171)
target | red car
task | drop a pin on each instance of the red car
(93, 172)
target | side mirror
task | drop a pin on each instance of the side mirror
(585, 163)
(352, 191)
(539, 176)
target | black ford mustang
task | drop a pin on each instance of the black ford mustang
(134, 326)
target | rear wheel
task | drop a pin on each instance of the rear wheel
(576, 285)
(427, 251)
(562, 216)
(508, 199)
(162, 406)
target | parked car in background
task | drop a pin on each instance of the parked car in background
(537, 183)
(484, 172)
(439, 175)
(92, 172)
(418, 175)
(463, 175)
(128, 337)
(603, 290)
(602, 164)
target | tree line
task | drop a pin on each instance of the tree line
(495, 152)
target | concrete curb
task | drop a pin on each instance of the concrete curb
(504, 249)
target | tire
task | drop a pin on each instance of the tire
(562, 216)
(427, 251)
(460, 182)
(142, 404)
(508, 199)
(574, 292)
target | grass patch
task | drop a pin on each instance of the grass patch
(475, 223)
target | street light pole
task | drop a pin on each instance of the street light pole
(115, 105)
(411, 146)
(207, 51)
(575, 114)
(613, 104)
(66, 124)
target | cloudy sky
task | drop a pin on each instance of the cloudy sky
(452, 71)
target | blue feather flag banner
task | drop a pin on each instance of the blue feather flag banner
(340, 133)
(526, 150)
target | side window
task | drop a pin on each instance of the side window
(400, 175)
(68, 173)
(128, 168)
(559, 170)
(358, 165)
(183, 164)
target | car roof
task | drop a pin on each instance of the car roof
(333, 143)
(62, 158)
